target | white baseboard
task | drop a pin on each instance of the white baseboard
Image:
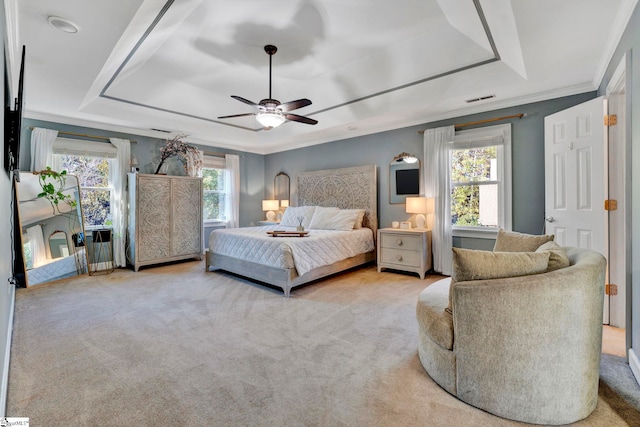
(634, 364)
(7, 354)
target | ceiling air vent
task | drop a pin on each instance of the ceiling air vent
(161, 130)
(482, 98)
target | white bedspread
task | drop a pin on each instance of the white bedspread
(318, 248)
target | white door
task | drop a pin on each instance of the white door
(575, 142)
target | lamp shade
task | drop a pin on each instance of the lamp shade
(270, 205)
(418, 205)
(284, 203)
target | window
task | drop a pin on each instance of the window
(26, 250)
(481, 181)
(213, 185)
(91, 162)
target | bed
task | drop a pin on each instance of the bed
(58, 268)
(277, 260)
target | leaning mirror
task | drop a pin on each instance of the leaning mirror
(404, 177)
(51, 227)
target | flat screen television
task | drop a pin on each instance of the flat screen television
(407, 181)
(12, 127)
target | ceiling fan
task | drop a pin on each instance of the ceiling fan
(271, 113)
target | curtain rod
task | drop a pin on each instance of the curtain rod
(213, 154)
(85, 135)
(479, 122)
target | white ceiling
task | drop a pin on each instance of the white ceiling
(367, 65)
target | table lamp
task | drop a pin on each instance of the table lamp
(270, 206)
(420, 206)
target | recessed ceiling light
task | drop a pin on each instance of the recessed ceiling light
(62, 24)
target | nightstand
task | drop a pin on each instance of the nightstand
(405, 249)
(262, 223)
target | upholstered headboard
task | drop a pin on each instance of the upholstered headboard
(346, 188)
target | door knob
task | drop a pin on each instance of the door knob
(549, 219)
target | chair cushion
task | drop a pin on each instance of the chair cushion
(432, 317)
(557, 255)
(469, 264)
(510, 241)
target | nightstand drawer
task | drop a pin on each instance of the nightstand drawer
(400, 241)
(401, 257)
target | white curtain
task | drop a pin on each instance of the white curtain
(437, 175)
(41, 153)
(118, 177)
(194, 162)
(36, 242)
(232, 190)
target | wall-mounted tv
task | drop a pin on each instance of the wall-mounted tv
(407, 182)
(12, 127)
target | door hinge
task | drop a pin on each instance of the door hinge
(610, 120)
(610, 289)
(610, 205)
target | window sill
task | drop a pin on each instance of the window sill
(214, 223)
(475, 233)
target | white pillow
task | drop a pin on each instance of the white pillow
(293, 214)
(360, 219)
(333, 219)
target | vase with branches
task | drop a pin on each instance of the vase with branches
(176, 147)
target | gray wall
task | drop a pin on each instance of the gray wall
(629, 42)
(6, 290)
(379, 149)
(147, 150)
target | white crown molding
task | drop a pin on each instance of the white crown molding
(71, 121)
(415, 121)
(286, 145)
(617, 30)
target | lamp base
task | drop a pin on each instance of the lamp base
(420, 221)
(271, 215)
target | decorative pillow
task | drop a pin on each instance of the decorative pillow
(557, 255)
(333, 219)
(293, 214)
(469, 264)
(360, 218)
(510, 241)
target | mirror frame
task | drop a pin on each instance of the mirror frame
(395, 165)
(278, 182)
(66, 239)
(81, 261)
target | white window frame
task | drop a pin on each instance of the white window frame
(213, 162)
(498, 135)
(83, 148)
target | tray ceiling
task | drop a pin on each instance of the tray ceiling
(367, 65)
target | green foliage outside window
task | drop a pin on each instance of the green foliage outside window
(93, 175)
(213, 189)
(469, 167)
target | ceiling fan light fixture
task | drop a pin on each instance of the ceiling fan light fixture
(270, 120)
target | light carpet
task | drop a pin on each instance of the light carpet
(175, 345)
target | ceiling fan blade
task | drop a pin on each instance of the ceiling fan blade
(294, 105)
(301, 119)
(236, 115)
(246, 101)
